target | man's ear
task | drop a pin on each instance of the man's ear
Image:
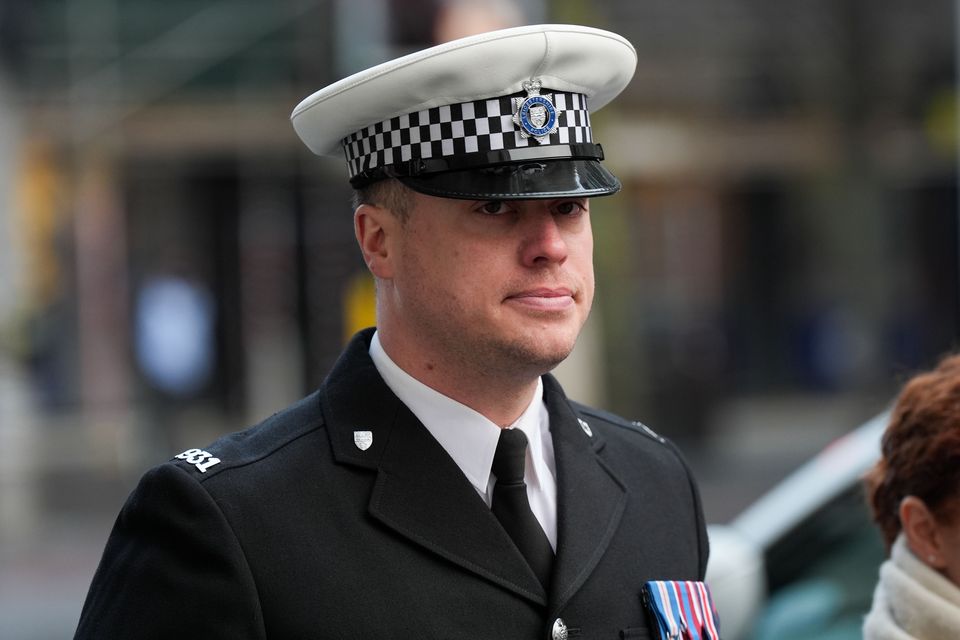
(374, 227)
(922, 532)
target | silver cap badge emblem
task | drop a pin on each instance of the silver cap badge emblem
(535, 115)
(363, 439)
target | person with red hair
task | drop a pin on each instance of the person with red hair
(914, 493)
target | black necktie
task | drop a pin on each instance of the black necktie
(511, 506)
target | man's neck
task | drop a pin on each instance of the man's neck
(500, 398)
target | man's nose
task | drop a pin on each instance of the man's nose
(544, 241)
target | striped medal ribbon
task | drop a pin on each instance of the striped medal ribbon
(682, 610)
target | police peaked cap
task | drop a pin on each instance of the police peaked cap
(500, 115)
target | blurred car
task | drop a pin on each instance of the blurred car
(802, 561)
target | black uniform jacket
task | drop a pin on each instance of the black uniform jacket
(299, 533)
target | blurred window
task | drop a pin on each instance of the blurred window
(174, 334)
(822, 574)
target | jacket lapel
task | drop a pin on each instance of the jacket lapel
(419, 491)
(423, 495)
(590, 498)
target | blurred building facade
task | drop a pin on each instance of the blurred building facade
(176, 264)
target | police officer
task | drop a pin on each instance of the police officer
(439, 484)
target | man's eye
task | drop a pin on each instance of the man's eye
(494, 207)
(570, 207)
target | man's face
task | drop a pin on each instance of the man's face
(502, 285)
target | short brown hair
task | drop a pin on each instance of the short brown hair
(389, 193)
(921, 450)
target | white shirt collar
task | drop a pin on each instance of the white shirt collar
(471, 439)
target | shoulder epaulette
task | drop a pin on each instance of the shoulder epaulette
(255, 443)
(614, 419)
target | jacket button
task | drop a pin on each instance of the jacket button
(559, 631)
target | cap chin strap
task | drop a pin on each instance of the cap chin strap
(425, 166)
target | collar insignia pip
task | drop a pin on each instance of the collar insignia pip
(363, 439)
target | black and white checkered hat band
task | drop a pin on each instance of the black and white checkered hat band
(460, 129)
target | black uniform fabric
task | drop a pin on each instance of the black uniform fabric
(298, 533)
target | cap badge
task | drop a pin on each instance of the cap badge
(535, 115)
(363, 439)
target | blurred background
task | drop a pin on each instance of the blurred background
(175, 265)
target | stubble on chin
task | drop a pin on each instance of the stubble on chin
(537, 350)
(523, 358)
